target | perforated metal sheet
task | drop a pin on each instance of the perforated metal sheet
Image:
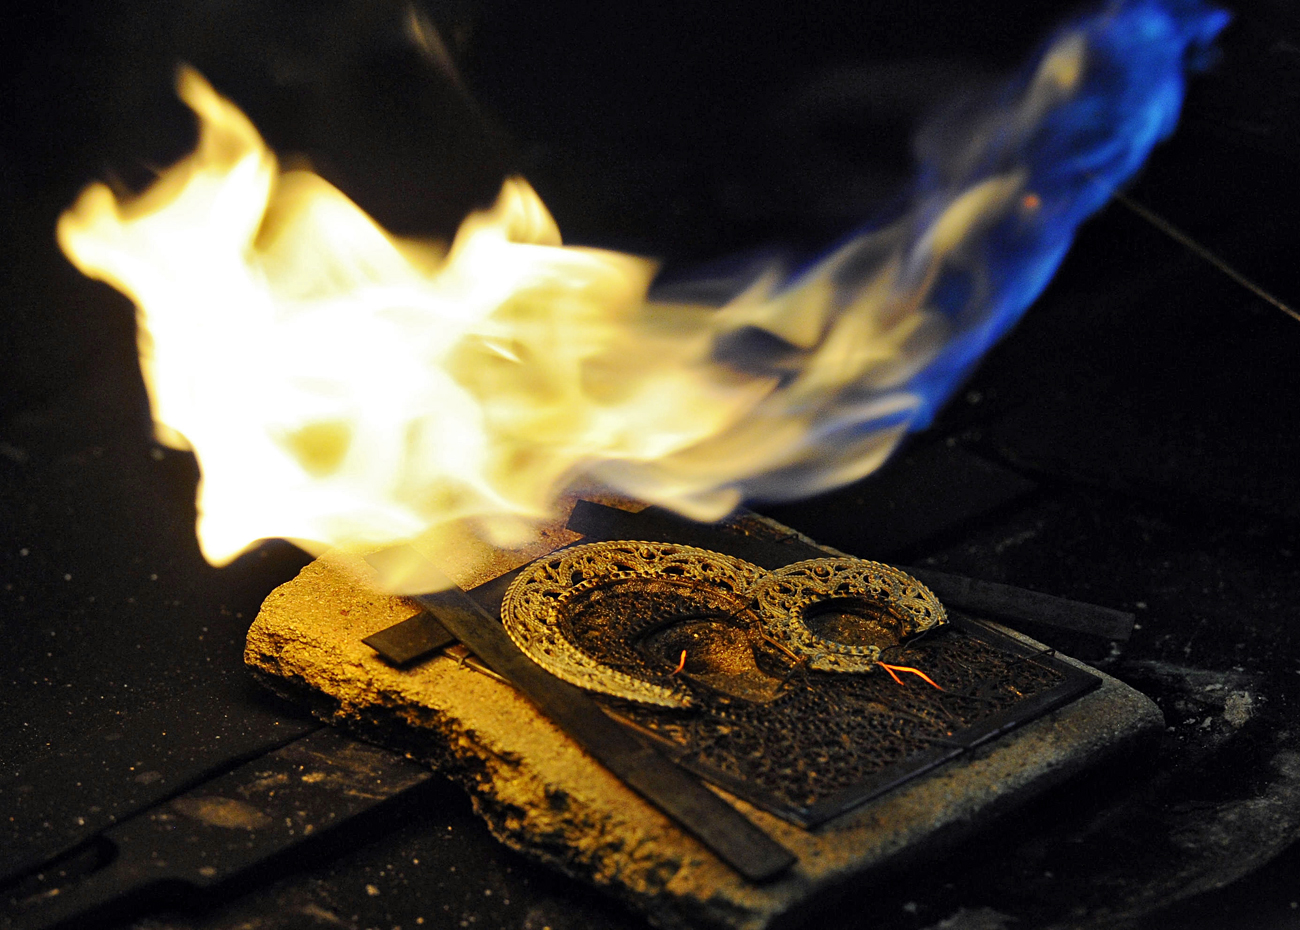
(829, 742)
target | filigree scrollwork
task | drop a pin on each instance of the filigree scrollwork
(842, 613)
(602, 615)
(543, 611)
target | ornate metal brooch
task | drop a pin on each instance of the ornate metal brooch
(779, 685)
(658, 623)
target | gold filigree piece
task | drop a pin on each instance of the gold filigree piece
(842, 613)
(654, 622)
(542, 611)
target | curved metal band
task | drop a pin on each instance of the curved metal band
(537, 602)
(548, 595)
(785, 596)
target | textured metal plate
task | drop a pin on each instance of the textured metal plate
(778, 698)
(806, 690)
(830, 742)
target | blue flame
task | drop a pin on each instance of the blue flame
(999, 195)
(1128, 100)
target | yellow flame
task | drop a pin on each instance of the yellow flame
(342, 385)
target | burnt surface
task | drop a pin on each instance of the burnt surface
(1132, 443)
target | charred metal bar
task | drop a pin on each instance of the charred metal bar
(405, 642)
(421, 636)
(1004, 601)
(597, 521)
(695, 808)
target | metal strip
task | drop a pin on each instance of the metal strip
(412, 639)
(598, 521)
(1001, 600)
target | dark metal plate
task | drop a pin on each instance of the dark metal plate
(832, 742)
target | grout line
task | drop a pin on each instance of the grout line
(1173, 232)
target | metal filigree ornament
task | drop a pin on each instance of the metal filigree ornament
(841, 613)
(656, 623)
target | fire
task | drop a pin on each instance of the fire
(339, 384)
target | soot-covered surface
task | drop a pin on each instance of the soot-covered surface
(1132, 443)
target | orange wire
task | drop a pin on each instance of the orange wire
(912, 671)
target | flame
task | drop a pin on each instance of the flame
(342, 385)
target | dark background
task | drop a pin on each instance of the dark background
(1133, 443)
